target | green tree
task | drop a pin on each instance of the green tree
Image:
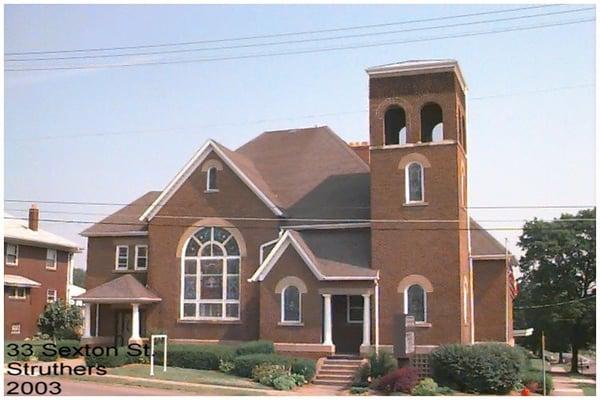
(79, 277)
(559, 269)
(60, 321)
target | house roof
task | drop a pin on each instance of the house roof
(19, 281)
(16, 230)
(331, 254)
(124, 289)
(124, 221)
(483, 244)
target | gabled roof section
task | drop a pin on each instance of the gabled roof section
(329, 254)
(241, 167)
(124, 222)
(16, 230)
(312, 172)
(484, 245)
(124, 289)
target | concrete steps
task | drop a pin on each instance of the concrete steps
(338, 370)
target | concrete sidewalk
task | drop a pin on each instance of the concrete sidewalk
(567, 385)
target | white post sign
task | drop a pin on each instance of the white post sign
(164, 337)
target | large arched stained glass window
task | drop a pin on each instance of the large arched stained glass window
(416, 303)
(210, 287)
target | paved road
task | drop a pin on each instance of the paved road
(78, 388)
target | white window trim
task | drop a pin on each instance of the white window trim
(208, 188)
(291, 321)
(16, 255)
(137, 256)
(424, 303)
(117, 268)
(53, 267)
(223, 301)
(54, 296)
(16, 296)
(353, 321)
(17, 331)
(407, 183)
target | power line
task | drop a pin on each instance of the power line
(299, 52)
(284, 34)
(556, 304)
(66, 202)
(255, 220)
(267, 120)
(303, 219)
(297, 41)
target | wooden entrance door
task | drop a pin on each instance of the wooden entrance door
(346, 333)
(123, 328)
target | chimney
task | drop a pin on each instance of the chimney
(34, 218)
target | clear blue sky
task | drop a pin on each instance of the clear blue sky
(524, 148)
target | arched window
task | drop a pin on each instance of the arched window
(415, 303)
(414, 183)
(290, 304)
(210, 284)
(211, 179)
(432, 123)
(395, 126)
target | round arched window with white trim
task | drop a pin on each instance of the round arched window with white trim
(210, 270)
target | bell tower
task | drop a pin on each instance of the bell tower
(418, 162)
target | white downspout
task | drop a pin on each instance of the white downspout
(377, 314)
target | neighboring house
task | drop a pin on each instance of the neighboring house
(37, 267)
(297, 238)
(72, 291)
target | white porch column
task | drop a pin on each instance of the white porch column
(327, 320)
(135, 322)
(366, 320)
(87, 320)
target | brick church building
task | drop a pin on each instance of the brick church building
(299, 238)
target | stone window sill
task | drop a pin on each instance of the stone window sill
(129, 271)
(290, 324)
(423, 325)
(416, 204)
(209, 321)
(211, 191)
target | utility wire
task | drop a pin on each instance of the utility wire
(555, 304)
(299, 52)
(266, 120)
(297, 41)
(353, 207)
(284, 34)
(251, 220)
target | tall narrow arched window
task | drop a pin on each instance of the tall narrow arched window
(414, 183)
(395, 126)
(290, 304)
(432, 123)
(415, 303)
(211, 179)
(210, 276)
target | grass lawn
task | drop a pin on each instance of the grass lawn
(224, 391)
(186, 375)
(588, 389)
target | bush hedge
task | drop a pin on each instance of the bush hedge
(401, 380)
(255, 347)
(197, 356)
(426, 387)
(304, 367)
(243, 365)
(490, 368)
(534, 379)
(111, 360)
(68, 344)
(381, 364)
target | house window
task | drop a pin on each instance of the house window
(18, 293)
(141, 257)
(11, 254)
(415, 303)
(210, 287)
(51, 295)
(15, 329)
(290, 304)
(122, 258)
(414, 183)
(354, 309)
(51, 256)
(211, 179)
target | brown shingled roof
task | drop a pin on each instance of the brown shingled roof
(483, 243)
(124, 289)
(125, 220)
